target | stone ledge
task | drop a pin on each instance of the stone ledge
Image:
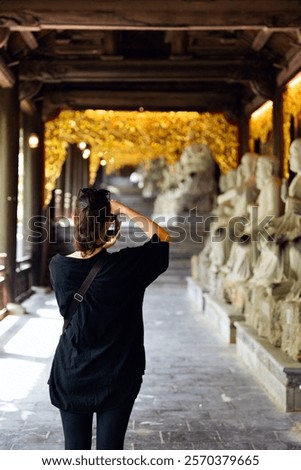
(195, 291)
(223, 316)
(220, 314)
(278, 373)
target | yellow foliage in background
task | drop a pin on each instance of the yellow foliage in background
(132, 137)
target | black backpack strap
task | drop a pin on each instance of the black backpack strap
(79, 295)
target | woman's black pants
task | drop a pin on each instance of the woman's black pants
(111, 426)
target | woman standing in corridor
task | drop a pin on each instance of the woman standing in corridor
(100, 359)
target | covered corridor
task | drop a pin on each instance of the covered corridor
(92, 91)
(196, 394)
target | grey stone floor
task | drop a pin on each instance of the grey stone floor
(196, 393)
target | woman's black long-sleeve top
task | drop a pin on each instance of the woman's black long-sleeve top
(101, 354)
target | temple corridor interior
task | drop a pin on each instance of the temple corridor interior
(189, 111)
(196, 394)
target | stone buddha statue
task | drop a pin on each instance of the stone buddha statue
(236, 199)
(244, 253)
(274, 294)
(276, 281)
(288, 226)
(285, 231)
(227, 180)
(269, 184)
(234, 202)
(192, 184)
(153, 177)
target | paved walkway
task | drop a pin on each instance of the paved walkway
(196, 393)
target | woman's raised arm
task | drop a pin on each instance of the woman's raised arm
(148, 226)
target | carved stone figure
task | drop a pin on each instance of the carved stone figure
(269, 184)
(277, 273)
(237, 184)
(286, 230)
(244, 254)
(153, 177)
(268, 204)
(291, 328)
(192, 184)
(288, 226)
(233, 203)
(227, 180)
(244, 192)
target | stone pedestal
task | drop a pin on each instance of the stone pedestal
(290, 318)
(222, 316)
(195, 291)
(279, 374)
(194, 264)
(269, 320)
(252, 308)
(202, 262)
(262, 313)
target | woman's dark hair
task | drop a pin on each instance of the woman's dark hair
(92, 211)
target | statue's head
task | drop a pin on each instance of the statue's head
(248, 164)
(196, 157)
(295, 155)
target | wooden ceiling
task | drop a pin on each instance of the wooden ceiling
(210, 55)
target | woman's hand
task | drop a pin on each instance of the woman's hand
(116, 207)
(148, 226)
(112, 240)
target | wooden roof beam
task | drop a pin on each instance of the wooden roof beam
(178, 44)
(7, 78)
(290, 71)
(143, 71)
(133, 100)
(29, 39)
(4, 35)
(261, 39)
(112, 46)
(34, 15)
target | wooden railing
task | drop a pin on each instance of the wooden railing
(3, 290)
(22, 282)
(23, 278)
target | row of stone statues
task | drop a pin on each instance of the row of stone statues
(190, 182)
(252, 257)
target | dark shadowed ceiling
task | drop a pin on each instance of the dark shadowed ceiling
(205, 55)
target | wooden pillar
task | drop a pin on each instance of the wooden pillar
(80, 168)
(9, 151)
(244, 135)
(33, 190)
(76, 171)
(85, 178)
(84, 171)
(59, 194)
(68, 187)
(278, 140)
